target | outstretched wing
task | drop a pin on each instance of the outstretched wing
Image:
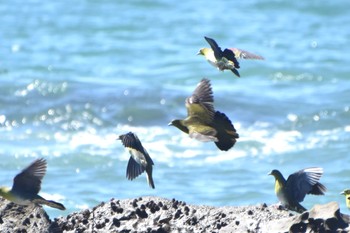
(201, 103)
(29, 180)
(215, 47)
(243, 54)
(304, 181)
(139, 158)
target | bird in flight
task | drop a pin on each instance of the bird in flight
(26, 186)
(227, 59)
(205, 124)
(139, 161)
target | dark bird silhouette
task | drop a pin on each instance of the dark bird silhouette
(139, 161)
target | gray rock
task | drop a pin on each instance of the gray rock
(16, 218)
(157, 215)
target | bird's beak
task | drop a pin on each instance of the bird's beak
(199, 53)
(119, 138)
(342, 193)
(269, 174)
(170, 124)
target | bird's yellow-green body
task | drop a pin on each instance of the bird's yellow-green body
(346, 192)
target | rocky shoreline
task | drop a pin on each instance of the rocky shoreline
(155, 214)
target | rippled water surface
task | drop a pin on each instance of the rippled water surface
(74, 77)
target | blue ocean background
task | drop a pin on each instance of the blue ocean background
(75, 75)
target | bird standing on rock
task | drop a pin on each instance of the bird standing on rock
(203, 122)
(292, 191)
(139, 161)
(346, 192)
(227, 59)
(26, 186)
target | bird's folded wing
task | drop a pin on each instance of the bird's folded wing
(229, 55)
(226, 132)
(29, 180)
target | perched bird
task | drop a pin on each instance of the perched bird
(139, 160)
(293, 191)
(26, 186)
(346, 192)
(226, 59)
(203, 122)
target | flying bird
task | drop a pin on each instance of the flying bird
(346, 192)
(292, 191)
(139, 161)
(205, 124)
(26, 186)
(227, 59)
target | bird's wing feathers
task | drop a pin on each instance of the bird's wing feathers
(202, 96)
(215, 47)
(243, 54)
(29, 180)
(301, 183)
(134, 169)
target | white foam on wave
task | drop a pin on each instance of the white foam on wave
(167, 144)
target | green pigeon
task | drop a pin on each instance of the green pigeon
(226, 59)
(203, 122)
(26, 186)
(139, 161)
(346, 192)
(292, 191)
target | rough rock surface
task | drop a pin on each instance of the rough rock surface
(16, 218)
(154, 214)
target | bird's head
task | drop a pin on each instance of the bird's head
(275, 173)
(345, 192)
(203, 51)
(178, 124)
(127, 135)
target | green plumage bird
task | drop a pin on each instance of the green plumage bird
(203, 122)
(346, 192)
(292, 191)
(139, 161)
(26, 186)
(227, 59)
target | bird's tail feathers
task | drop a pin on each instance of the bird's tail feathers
(150, 179)
(52, 204)
(235, 72)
